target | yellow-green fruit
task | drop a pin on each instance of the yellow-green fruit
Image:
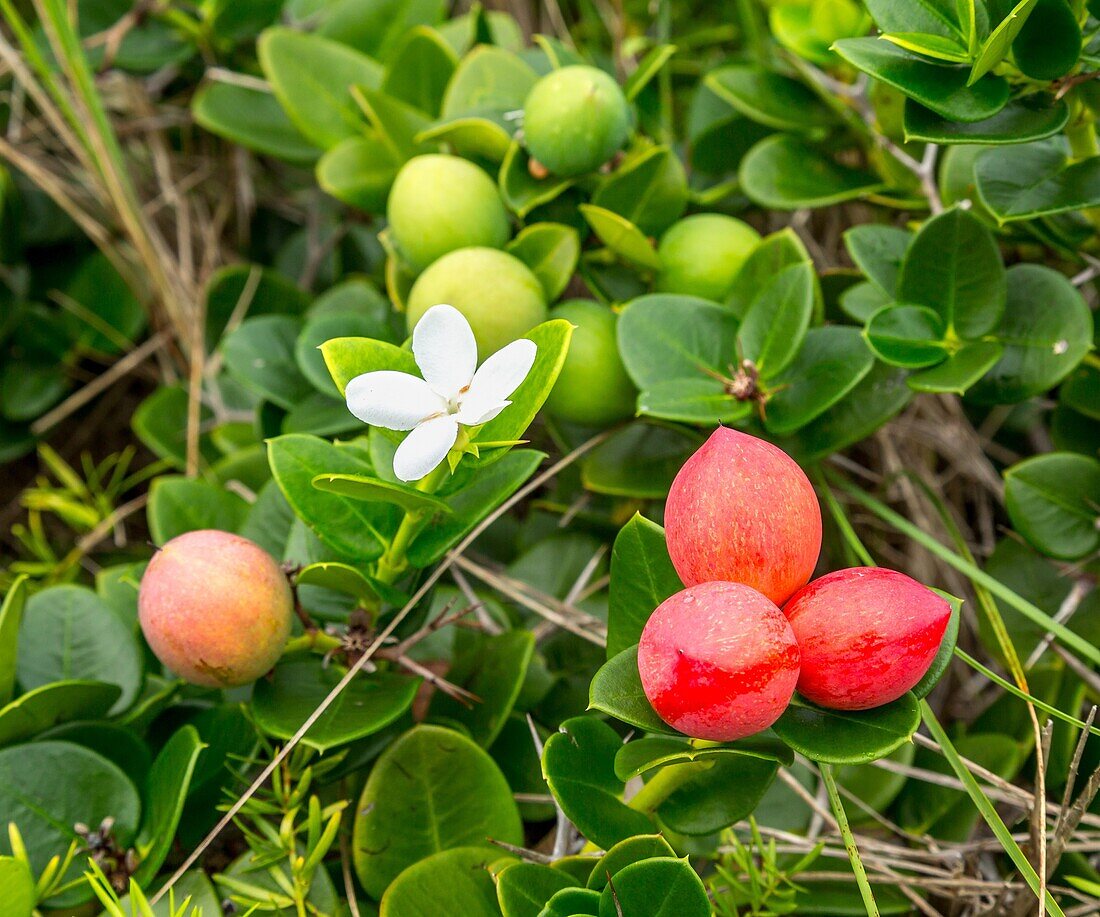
(701, 255)
(500, 297)
(575, 119)
(593, 388)
(442, 203)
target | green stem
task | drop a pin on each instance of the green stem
(665, 782)
(754, 36)
(849, 841)
(310, 642)
(393, 561)
(987, 810)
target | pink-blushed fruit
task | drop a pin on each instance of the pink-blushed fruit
(718, 661)
(215, 608)
(741, 510)
(867, 635)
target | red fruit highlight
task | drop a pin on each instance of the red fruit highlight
(215, 608)
(718, 661)
(867, 636)
(742, 511)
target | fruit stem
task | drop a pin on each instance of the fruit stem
(665, 783)
(849, 840)
(311, 641)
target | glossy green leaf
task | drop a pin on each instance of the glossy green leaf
(312, 78)
(524, 888)
(642, 576)
(252, 118)
(776, 321)
(1081, 391)
(11, 615)
(771, 99)
(621, 236)
(698, 401)
(658, 887)
(17, 889)
(878, 251)
(847, 736)
(942, 88)
(579, 764)
(1049, 43)
(241, 290)
(260, 355)
(996, 46)
(774, 253)
(179, 504)
(1032, 180)
(374, 490)
(1032, 117)
(347, 358)
(935, 46)
(641, 755)
(632, 850)
(283, 702)
(783, 173)
(719, 796)
(420, 69)
(1053, 500)
(431, 790)
(648, 67)
(551, 251)
(461, 877)
(359, 171)
(40, 709)
(616, 690)
(649, 189)
(522, 192)
(69, 632)
(573, 902)
(396, 125)
(638, 460)
(907, 336)
(959, 371)
(489, 80)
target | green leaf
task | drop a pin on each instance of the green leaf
(69, 632)
(461, 877)
(1081, 391)
(649, 189)
(616, 690)
(166, 791)
(783, 173)
(1049, 44)
(283, 702)
(648, 67)
(621, 236)
(160, 422)
(396, 125)
(996, 46)
(491, 486)
(946, 652)
(698, 401)
(551, 251)
(573, 902)
(954, 267)
(523, 888)
(942, 88)
(17, 887)
(774, 253)
(658, 887)
(241, 290)
(907, 336)
(350, 526)
(59, 702)
(862, 300)
(934, 46)
(1053, 500)
(522, 192)
(359, 171)
(494, 671)
(46, 788)
(339, 578)
(879, 251)
(420, 69)
(1032, 180)
(642, 576)
(776, 321)
(632, 850)
(432, 790)
(253, 119)
(11, 614)
(347, 358)
(959, 371)
(579, 764)
(103, 313)
(831, 362)
(312, 79)
(770, 99)
(1046, 331)
(179, 504)
(848, 736)
(719, 796)
(934, 16)
(1032, 117)
(641, 755)
(374, 490)
(489, 81)
(638, 460)
(260, 355)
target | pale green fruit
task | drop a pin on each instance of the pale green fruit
(593, 388)
(500, 297)
(575, 119)
(701, 255)
(439, 204)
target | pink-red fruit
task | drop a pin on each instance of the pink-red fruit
(741, 510)
(215, 608)
(718, 661)
(867, 636)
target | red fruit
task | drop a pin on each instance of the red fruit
(215, 608)
(718, 661)
(741, 510)
(867, 636)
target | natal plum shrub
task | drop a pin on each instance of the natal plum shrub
(718, 661)
(575, 119)
(215, 608)
(442, 203)
(867, 636)
(741, 510)
(500, 297)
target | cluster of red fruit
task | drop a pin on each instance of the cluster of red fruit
(722, 658)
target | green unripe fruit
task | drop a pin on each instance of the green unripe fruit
(442, 203)
(500, 297)
(702, 254)
(593, 388)
(575, 119)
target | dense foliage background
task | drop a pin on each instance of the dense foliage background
(193, 200)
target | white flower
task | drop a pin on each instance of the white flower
(451, 392)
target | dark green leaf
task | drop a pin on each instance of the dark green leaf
(551, 251)
(252, 118)
(632, 850)
(59, 702)
(776, 321)
(878, 251)
(770, 99)
(1053, 500)
(374, 490)
(260, 355)
(783, 173)
(642, 576)
(1032, 117)
(719, 796)
(524, 888)
(907, 336)
(359, 171)
(11, 614)
(1031, 180)
(638, 460)
(179, 504)
(848, 736)
(616, 690)
(658, 887)
(959, 371)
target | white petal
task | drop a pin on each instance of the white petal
(496, 379)
(445, 349)
(397, 401)
(473, 415)
(425, 447)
